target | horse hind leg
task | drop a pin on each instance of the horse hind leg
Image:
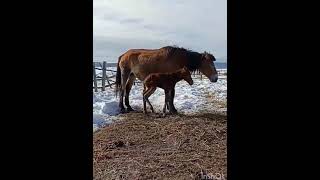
(124, 78)
(146, 95)
(172, 109)
(122, 109)
(129, 84)
(144, 102)
(145, 90)
(164, 107)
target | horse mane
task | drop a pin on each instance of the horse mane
(193, 58)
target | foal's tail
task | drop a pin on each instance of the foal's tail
(118, 78)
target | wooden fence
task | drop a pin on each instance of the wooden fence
(103, 77)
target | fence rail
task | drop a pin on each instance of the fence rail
(104, 78)
(109, 80)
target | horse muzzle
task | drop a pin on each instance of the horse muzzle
(214, 78)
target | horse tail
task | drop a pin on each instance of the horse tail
(118, 77)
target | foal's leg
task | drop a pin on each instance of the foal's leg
(171, 107)
(168, 99)
(124, 78)
(147, 94)
(127, 92)
(145, 90)
(144, 101)
(166, 92)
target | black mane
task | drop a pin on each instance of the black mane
(193, 58)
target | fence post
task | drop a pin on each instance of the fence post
(95, 78)
(104, 75)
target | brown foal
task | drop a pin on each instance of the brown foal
(165, 81)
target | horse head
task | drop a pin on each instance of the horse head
(187, 75)
(207, 66)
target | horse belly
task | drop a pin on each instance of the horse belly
(145, 65)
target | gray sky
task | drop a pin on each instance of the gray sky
(119, 25)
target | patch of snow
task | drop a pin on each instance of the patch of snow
(202, 96)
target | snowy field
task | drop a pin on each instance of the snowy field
(203, 96)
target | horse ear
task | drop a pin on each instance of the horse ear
(203, 55)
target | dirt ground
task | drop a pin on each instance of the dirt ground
(150, 147)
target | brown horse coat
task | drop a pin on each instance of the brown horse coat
(166, 81)
(139, 63)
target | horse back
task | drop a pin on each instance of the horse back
(143, 62)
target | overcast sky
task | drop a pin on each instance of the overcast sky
(119, 25)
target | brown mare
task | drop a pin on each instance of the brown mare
(166, 81)
(139, 63)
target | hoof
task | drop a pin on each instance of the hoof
(145, 112)
(173, 112)
(122, 110)
(130, 109)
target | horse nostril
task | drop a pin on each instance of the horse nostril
(215, 79)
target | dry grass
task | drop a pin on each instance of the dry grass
(148, 147)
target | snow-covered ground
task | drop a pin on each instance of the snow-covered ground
(202, 96)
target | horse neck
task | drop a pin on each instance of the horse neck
(177, 76)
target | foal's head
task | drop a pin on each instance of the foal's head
(186, 75)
